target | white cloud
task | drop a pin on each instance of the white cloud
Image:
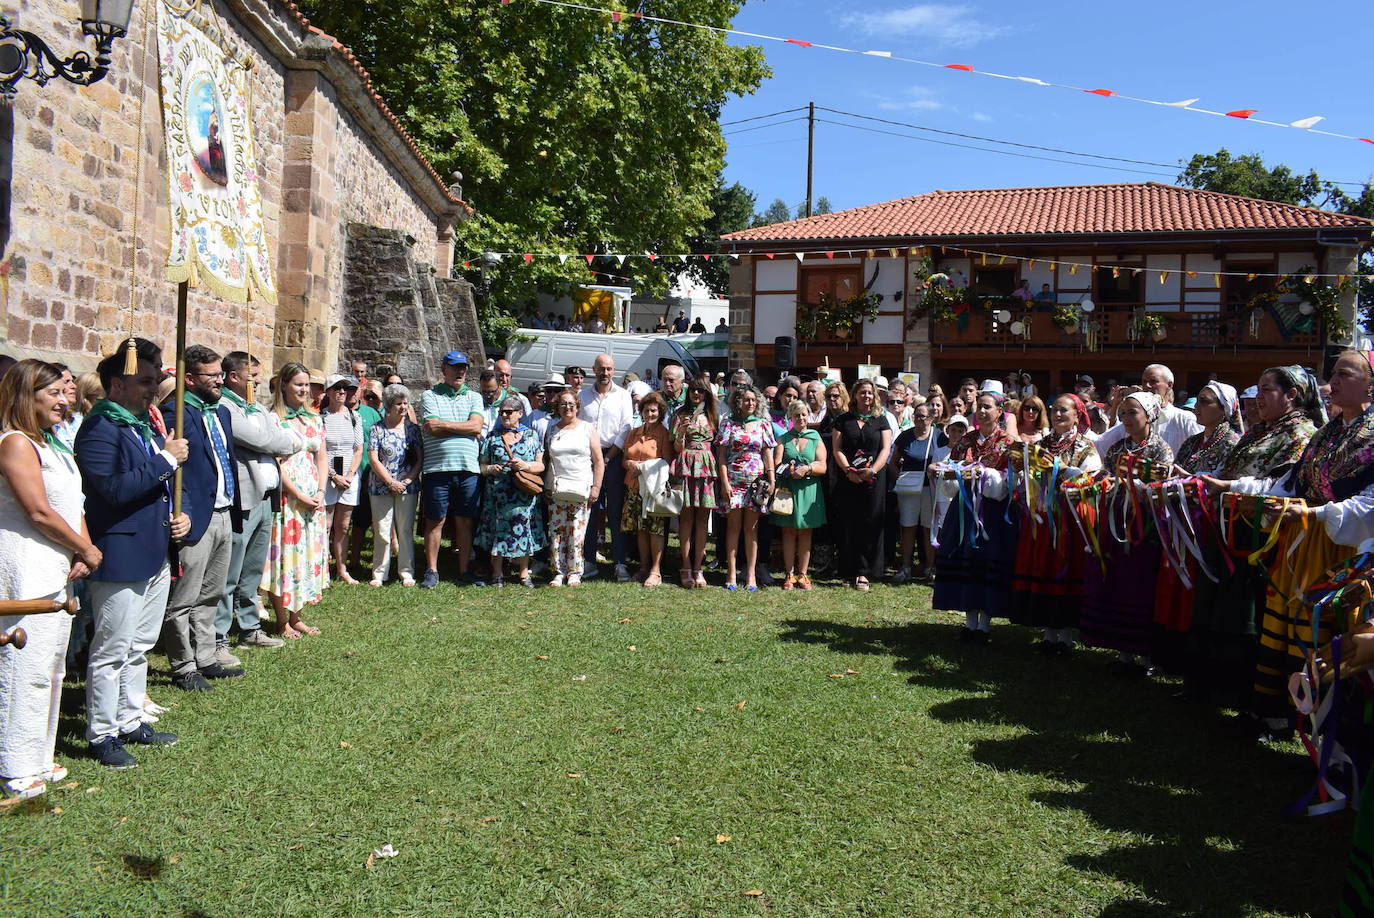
(919, 98)
(952, 25)
(981, 116)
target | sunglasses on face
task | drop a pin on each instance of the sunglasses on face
(510, 411)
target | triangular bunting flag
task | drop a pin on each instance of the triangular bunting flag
(1073, 269)
(767, 254)
(1163, 276)
(1191, 273)
(1030, 265)
(871, 253)
(562, 259)
(1242, 113)
(589, 258)
(1106, 93)
(797, 41)
(829, 254)
(1310, 279)
(801, 256)
(615, 16)
(683, 259)
(1116, 272)
(620, 260)
(653, 256)
(528, 257)
(1304, 124)
(1251, 276)
(892, 253)
(1340, 278)
(1216, 279)
(964, 67)
(467, 264)
(1001, 259)
(707, 256)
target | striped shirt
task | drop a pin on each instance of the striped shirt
(452, 453)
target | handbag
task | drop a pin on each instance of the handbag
(758, 493)
(526, 481)
(656, 489)
(565, 489)
(909, 483)
(783, 503)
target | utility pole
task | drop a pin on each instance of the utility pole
(810, 150)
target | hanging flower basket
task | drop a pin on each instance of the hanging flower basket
(1151, 326)
(1067, 318)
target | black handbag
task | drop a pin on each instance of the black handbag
(759, 493)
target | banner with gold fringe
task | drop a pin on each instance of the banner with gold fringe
(218, 237)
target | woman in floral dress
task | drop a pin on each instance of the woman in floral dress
(744, 451)
(297, 568)
(694, 429)
(512, 524)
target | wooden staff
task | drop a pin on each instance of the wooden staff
(180, 428)
(18, 637)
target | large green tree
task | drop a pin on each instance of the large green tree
(1248, 175)
(574, 133)
(732, 209)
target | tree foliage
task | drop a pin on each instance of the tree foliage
(573, 133)
(732, 209)
(1248, 175)
(823, 205)
(777, 212)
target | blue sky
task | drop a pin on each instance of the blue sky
(1262, 54)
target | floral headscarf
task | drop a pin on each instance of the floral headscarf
(1309, 400)
(1149, 403)
(1226, 395)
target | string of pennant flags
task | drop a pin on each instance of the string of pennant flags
(1000, 258)
(1245, 114)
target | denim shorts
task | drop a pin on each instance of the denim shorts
(446, 494)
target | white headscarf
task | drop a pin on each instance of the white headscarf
(1149, 402)
(1226, 395)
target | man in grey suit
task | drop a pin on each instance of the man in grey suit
(259, 439)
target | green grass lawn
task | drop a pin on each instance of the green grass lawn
(585, 752)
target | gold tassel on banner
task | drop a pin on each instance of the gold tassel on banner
(131, 357)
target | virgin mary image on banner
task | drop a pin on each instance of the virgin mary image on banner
(207, 141)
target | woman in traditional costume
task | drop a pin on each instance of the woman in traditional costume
(1047, 578)
(978, 536)
(1224, 631)
(1204, 453)
(1335, 478)
(1119, 594)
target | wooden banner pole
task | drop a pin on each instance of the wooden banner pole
(180, 427)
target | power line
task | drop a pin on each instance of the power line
(966, 146)
(759, 127)
(786, 111)
(1010, 143)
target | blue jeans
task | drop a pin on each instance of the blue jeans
(607, 508)
(246, 556)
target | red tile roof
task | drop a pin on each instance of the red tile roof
(1147, 207)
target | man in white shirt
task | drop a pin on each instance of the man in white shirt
(1174, 425)
(608, 409)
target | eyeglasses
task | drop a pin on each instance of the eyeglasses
(510, 411)
(219, 375)
(896, 401)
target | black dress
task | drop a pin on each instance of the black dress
(858, 508)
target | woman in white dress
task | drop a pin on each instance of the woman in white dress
(43, 545)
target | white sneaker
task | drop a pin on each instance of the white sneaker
(374, 582)
(25, 788)
(224, 658)
(259, 638)
(54, 772)
(557, 580)
(622, 573)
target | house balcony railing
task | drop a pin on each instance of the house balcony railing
(1115, 328)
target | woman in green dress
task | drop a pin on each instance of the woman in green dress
(799, 458)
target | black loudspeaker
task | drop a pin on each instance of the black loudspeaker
(784, 352)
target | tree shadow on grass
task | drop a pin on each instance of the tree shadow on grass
(1143, 760)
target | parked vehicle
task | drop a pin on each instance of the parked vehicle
(534, 353)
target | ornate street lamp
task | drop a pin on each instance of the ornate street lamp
(24, 54)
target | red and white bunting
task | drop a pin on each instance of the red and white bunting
(1244, 114)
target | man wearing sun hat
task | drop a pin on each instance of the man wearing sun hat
(451, 423)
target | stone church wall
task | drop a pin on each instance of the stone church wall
(330, 152)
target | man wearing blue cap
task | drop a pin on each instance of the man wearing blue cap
(451, 424)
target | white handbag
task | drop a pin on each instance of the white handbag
(655, 489)
(565, 489)
(909, 483)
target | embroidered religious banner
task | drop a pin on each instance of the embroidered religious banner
(218, 238)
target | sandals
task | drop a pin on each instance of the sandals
(26, 788)
(861, 584)
(700, 581)
(790, 582)
(303, 628)
(804, 582)
(526, 579)
(686, 577)
(346, 577)
(652, 581)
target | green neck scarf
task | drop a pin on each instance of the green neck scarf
(233, 396)
(121, 415)
(303, 411)
(200, 404)
(447, 390)
(50, 438)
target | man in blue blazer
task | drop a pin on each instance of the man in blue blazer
(209, 486)
(126, 474)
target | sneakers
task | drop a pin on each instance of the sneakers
(430, 581)
(471, 579)
(374, 582)
(145, 735)
(589, 572)
(259, 638)
(54, 772)
(192, 682)
(224, 658)
(622, 573)
(111, 753)
(220, 671)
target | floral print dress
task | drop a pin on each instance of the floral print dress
(512, 524)
(695, 466)
(744, 448)
(297, 572)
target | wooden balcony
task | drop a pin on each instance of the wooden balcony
(1113, 329)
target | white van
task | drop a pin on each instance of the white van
(534, 353)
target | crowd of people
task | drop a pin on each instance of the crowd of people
(1175, 535)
